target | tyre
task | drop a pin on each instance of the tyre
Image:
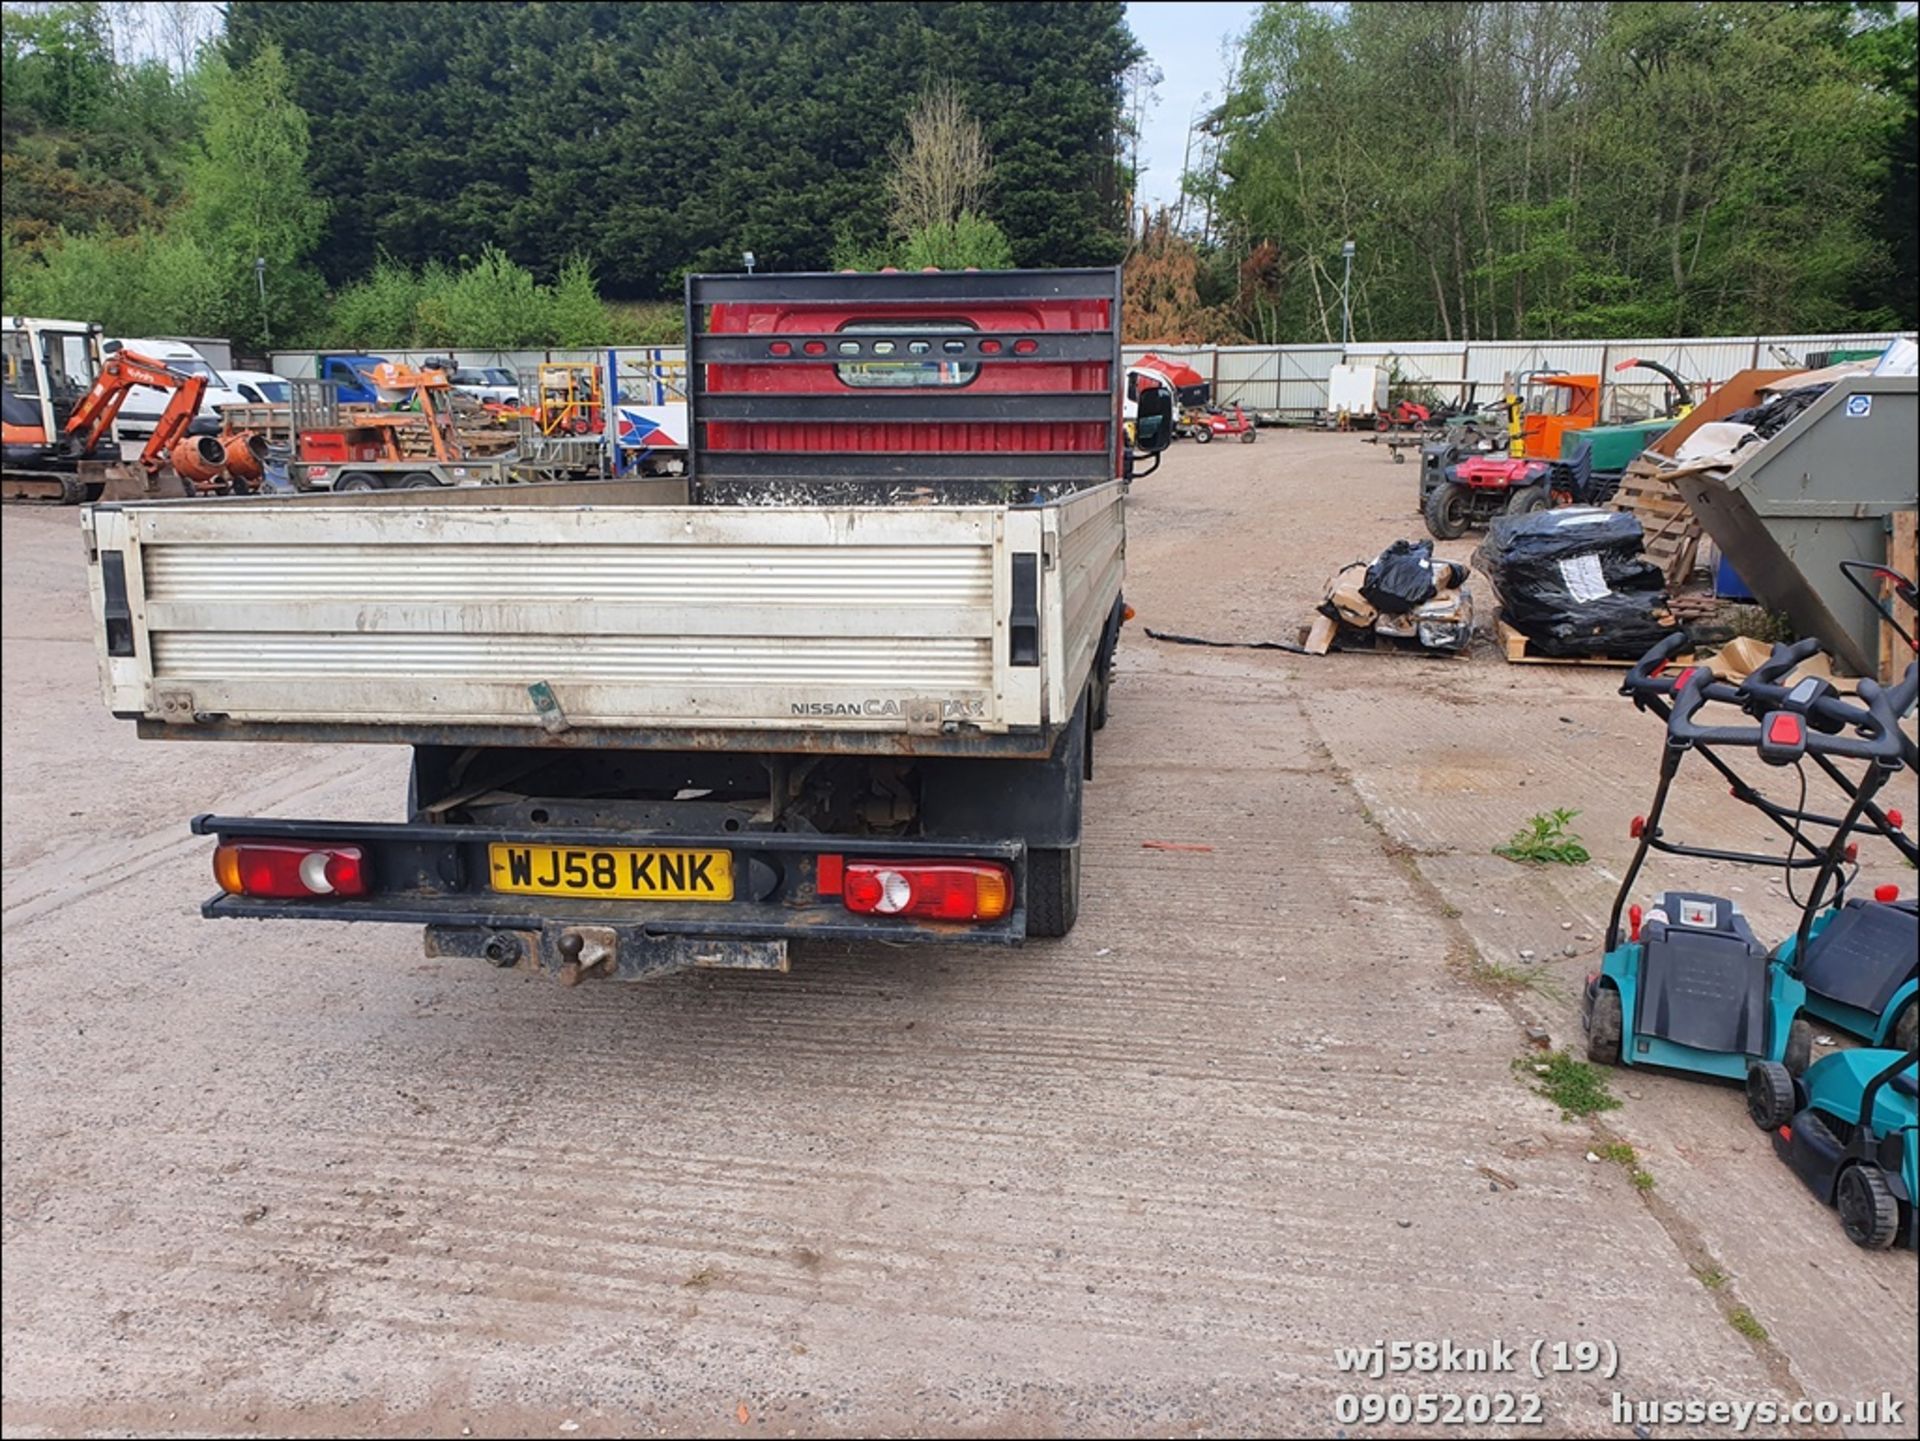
(1906, 1030)
(1381, 422)
(1053, 891)
(355, 480)
(419, 480)
(1799, 1052)
(1868, 1212)
(1249, 436)
(1529, 500)
(1448, 509)
(1203, 434)
(1603, 1028)
(1099, 701)
(1770, 1097)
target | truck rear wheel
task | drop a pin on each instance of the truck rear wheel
(419, 480)
(1053, 891)
(355, 480)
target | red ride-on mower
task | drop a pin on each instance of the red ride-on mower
(1485, 486)
(1208, 424)
(1405, 415)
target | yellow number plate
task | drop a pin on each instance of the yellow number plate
(612, 873)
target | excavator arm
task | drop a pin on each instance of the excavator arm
(119, 375)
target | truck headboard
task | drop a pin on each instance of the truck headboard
(957, 386)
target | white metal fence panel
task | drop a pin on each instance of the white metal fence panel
(1433, 362)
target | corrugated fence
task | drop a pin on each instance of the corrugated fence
(1292, 379)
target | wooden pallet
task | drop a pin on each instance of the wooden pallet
(1672, 532)
(1518, 653)
(1901, 546)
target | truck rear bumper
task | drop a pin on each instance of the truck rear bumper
(437, 876)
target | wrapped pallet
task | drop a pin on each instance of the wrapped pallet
(1576, 582)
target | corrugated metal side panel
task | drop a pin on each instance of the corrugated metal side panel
(1488, 362)
(1710, 360)
(1416, 364)
(635, 616)
(1833, 340)
(1086, 577)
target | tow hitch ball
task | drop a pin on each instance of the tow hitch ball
(586, 951)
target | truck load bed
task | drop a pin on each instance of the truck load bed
(307, 618)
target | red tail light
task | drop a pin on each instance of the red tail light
(930, 890)
(289, 870)
(1886, 895)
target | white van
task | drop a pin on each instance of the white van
(258, 387)
(144, 405)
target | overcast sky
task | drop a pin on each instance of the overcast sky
(1183, 38)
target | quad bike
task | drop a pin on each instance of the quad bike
(1474, 491)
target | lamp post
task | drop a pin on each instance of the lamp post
(260, 276)
(1346, 302)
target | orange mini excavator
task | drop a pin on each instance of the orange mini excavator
(202, 462)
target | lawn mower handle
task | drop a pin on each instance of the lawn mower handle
(1763, 685)
(1700, 687)
(1646, 678)
(1783, 659)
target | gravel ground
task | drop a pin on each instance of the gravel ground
(1260, 1105)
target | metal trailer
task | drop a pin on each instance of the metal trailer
(876, 625)
(1822, 491)
(315, 410)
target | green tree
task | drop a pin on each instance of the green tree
(378, 312)
(577, 315)
(249, 199)
(56, 64)
(968, 240)
(1581, 168)
(670, 137)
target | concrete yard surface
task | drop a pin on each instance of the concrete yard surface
(1261, 1107)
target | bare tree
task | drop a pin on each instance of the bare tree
(170, 31)
(943, 167)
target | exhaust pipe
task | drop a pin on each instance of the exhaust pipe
(200, 459)
(246, 456)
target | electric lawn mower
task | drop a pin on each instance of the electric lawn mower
(1847, 1128)
(1689, 987)
(1859, 959)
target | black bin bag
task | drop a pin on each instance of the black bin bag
(1401, 577)
(1576, 582)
